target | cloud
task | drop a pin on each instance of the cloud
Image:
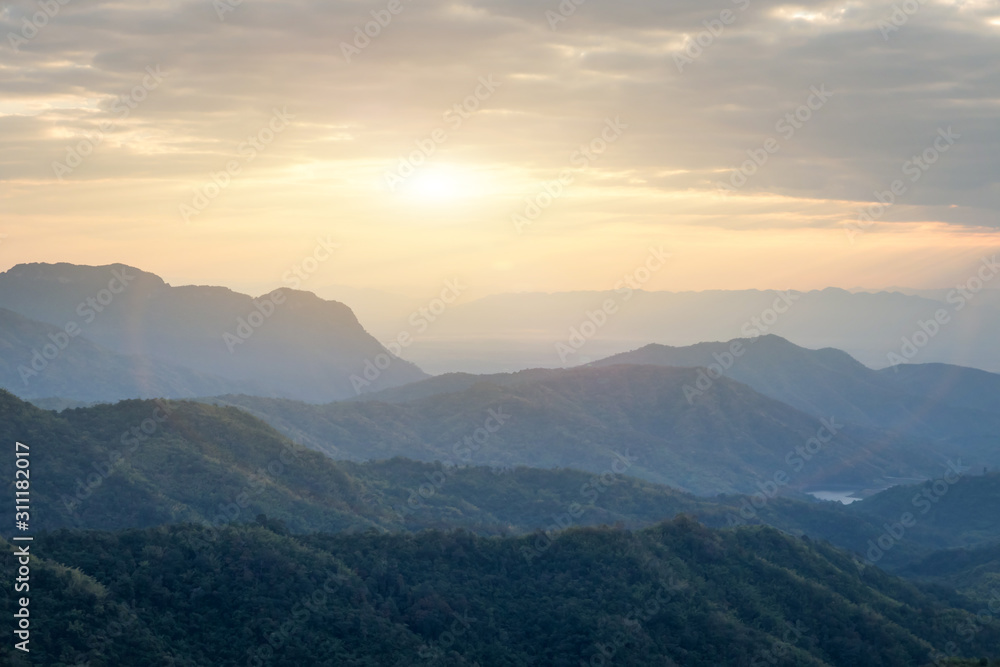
(688, 129)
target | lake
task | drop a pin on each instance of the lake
(845, 497)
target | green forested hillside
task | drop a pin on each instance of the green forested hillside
(145, 463)
(674, 594)
(142, 463)
(891, 529)
(975, 572)
(98, 468)
(493, 501)
(727, 440)
(951, 510)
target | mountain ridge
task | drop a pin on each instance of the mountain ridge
(577, 417)
(289, 341)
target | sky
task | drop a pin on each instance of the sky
(516, 146)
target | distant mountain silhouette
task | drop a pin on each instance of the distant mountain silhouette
(286, 343)
(509, 332)
(958, 407)
(86, 370)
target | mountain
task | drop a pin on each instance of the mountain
(895, 530)
(814, 381)
(957, 386)
(509, 332)
(449, 383)
(950, 511)
(674, 594)
(974, 572)
(901, 526)
(145, 463)
(39, 360)
(138, 464)
(288, 342)
(958, 407)
(141, 464)
(519, 500)
(731, 439)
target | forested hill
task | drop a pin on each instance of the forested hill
(140, 464)
(674, 594)
(725, 440)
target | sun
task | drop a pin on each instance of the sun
(439, 183)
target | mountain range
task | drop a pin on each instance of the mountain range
(214, 514)
(709, 418)
(958, 407)
(141, 464)
(510, 332)
(730, 440)
(693, 421)
(528, 517)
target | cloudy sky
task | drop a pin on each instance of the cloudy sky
(742, 137)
